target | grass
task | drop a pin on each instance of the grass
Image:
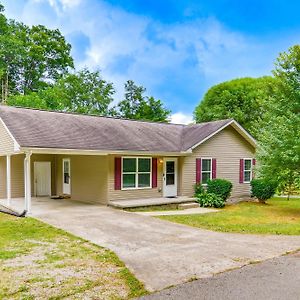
(278, 216)
(163, 207)
(38, 261)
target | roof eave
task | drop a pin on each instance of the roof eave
(39, 150)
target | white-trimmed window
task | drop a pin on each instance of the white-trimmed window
(247, 170)
(136, 172)
(206, 170)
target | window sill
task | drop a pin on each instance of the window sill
(138, 188)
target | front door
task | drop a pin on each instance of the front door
(66, 176)
(42, 178)
(170, 177)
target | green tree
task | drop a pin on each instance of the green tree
(30, 57)
(279, 140)
(11, 55)
(243, 99)
(47, 57)
(140, 107)
(82, 92)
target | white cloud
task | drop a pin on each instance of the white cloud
(181, 118)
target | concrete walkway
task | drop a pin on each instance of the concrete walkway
(158, 252)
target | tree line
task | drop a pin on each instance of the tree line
(37, 70)
(269, 108)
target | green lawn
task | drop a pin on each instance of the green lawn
(278, 216)
(38, 261)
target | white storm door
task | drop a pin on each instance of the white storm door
(42, 178)
(66, 176)
(170, 177)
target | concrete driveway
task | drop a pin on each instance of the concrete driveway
(158, 252)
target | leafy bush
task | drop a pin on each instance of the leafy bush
(263, 189)
(210, 200)
(198, 189)
(220, 187)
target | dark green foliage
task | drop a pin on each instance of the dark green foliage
(243, 99)
(36, 70)
(210, 200)
(31, 57)
(279, 143)
(198, 189)
(140, 107)
(220, 187)
(263, 189)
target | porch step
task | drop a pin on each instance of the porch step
(149, 202)
(188, 205)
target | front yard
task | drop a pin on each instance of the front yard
(38, 261)
(278, 216)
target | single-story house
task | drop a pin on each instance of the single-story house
(102, 159)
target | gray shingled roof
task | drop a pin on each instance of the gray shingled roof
(44, 129)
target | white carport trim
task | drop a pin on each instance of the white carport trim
(27, 181)
(16, 144)
(237, 127)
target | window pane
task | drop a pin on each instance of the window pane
(144, 164)
(129, 165)
(144, 180)
(206, 164)
(128, 180)
(170, 166)
(247, 164)
(66, 178)
(205, 177)
(66, 166)
(170, 178)
(247, 176)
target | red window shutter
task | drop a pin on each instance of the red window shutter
(198, 170)
(118, 164)
(253, 165)
(214, 169)
(241, 170)
(154, 172)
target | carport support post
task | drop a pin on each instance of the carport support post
(8, 179)
(27, 182)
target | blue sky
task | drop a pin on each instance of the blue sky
(177, 49)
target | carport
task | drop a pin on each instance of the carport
(36, 173)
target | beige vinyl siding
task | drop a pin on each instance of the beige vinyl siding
(228, 147)
(7, 143)
(133, 193)
(2, 177)
(88, 177)
(17, 176)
